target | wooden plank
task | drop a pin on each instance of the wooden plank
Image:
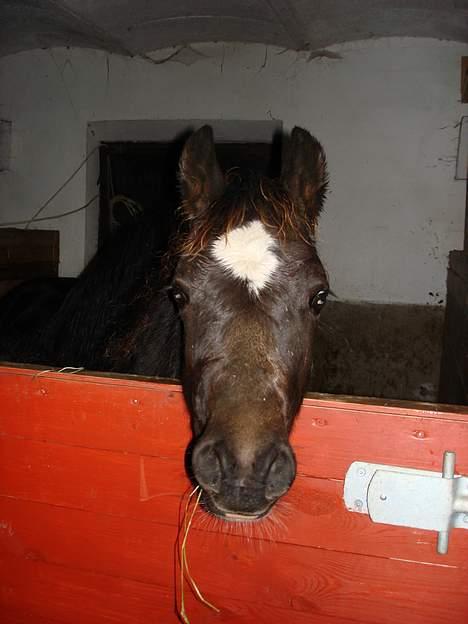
(38, 593)
(141, 417)
(20, 615)
(453, 385)
(464, 79)
(151, 419)
(26, 254)
(294, 578)
(5, 144)
(150, 489)
(233, 613)
(465, 238)
(29, 270)
(104, 535)
(111, 483)
(110, 503)
(20, 245)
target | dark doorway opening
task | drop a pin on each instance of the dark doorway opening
(139, 178)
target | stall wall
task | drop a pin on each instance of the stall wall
(385, 110)
(92, 501)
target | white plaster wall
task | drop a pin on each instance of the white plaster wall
(386, 113)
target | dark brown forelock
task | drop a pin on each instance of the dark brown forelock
(247, 197)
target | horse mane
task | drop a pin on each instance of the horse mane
(94, 318)
(248, 196)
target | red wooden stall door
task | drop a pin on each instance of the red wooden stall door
(92, 479)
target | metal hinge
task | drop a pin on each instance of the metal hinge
(420, 499)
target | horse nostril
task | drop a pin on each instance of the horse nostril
(281, 473)
(206, 466)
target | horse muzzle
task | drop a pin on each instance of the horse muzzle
(242, 486)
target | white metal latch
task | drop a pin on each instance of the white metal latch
(420, 499)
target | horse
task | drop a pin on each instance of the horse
(231, 309)
(28, 307)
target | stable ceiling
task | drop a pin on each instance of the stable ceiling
(136, 27)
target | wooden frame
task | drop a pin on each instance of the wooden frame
(464, 79)
(25, 254)
(90, 491)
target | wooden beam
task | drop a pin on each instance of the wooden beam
(26, 254)
(464, 79)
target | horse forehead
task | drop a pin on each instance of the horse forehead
(248, 253)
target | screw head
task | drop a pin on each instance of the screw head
(362, 472)
(358, 503)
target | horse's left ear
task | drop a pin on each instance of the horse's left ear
(200, 175)
(304, 173)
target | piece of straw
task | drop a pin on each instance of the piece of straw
(185, 574)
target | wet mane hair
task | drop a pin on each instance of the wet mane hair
(247, 196)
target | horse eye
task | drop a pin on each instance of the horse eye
(179, 297)
(318, 301)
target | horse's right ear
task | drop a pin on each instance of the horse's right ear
(304, 173)
(200, 176)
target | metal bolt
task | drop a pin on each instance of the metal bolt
(442, 542)
(448, 468)
(362, 472)
(358, 503)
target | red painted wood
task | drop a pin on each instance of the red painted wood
(234, 613)
(92, 476)
(37, 593)
(299, 579)
(110, 544)
(150, 418)
(21, 616)
(150, 489)
(95, 412)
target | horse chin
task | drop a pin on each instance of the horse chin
(229, 515)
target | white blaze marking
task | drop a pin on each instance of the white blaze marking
(248, 254)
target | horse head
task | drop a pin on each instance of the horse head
(249, 286)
